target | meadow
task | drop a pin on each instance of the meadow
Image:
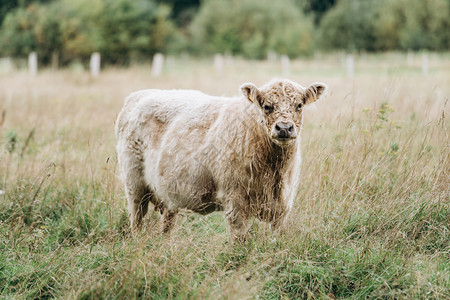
(371, 219)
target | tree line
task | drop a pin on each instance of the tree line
(133, 30)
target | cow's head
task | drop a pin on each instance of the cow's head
(282, 104)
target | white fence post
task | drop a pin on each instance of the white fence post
(157, 64)
(350, 64)
(94, 64)
(218, 64)
(425, 64)
(285, 65)
(32, 63)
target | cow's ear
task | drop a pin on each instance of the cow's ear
(314, 91)
(251, 92)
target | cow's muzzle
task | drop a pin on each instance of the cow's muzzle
(284, 132)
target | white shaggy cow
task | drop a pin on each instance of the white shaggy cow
(182, 149)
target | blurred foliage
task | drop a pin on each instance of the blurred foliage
(349, 25)
(119, 29)
(8, 5)
(414, 24)
(316, 7)
(134, 29)
(375, 25)
(251, 28)
(124, 30)
(183, 11)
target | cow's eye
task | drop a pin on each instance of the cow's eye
(268, 109)
(299, 106)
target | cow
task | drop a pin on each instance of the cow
(186, 150)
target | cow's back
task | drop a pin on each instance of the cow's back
(162, 105)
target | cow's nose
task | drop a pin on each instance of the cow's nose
(284, 130)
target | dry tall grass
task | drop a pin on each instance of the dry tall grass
(372, 216)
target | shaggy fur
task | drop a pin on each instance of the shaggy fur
(183, 149)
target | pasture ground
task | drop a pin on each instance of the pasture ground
(371, 220)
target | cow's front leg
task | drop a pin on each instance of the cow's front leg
(279, 225)
(279, 220)
(238, 221)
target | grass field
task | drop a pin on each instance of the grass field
(371, 220)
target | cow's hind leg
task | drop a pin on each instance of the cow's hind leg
(168, 220)
(136, 190)
(138, 198)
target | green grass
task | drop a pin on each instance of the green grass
(371, 220)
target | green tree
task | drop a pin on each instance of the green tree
(119, 29)
(317, 7)
(426, 26)
(79, 31)
(17, 32)
(350, 25)
(252, 28)
(183, 11)
(134, 29)
(65, 27)
(386, 25)
(7, 6)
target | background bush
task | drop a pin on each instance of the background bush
(414, 25)
(120, 30)
(252, 28)
(350, 26)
